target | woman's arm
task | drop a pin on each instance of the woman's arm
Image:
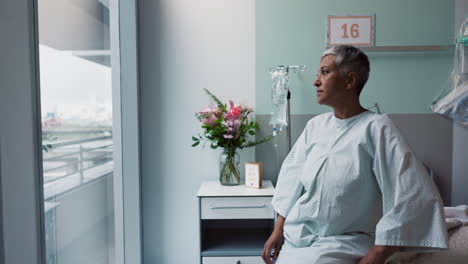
(275, 241)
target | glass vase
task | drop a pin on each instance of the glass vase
(229, 173)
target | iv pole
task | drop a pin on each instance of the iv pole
(288, 119)
(288, 109)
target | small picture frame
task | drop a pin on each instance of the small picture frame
(253, 174)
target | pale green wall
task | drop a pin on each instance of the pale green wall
(293, 32)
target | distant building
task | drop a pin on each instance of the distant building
(51, 120)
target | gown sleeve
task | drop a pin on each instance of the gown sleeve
(288, 187)
(413, 213)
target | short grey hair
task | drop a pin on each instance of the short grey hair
(351, 59)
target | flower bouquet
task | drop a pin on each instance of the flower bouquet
(227, 128)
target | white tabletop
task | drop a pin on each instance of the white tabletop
(214, 188)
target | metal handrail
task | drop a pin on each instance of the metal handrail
(73, 173)
(75, 162)
(80, 159)
(76, 142)
(74, 153)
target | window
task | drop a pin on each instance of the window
(77, 130)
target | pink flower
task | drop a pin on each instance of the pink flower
(246, 108)
(235, 112)
(205, 110)
(217, 112)
(210, 120)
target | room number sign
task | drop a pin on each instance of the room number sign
(350, 30)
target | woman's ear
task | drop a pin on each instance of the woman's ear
(351, 80)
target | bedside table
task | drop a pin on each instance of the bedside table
(235, 222)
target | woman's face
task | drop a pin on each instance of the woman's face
(329, 82)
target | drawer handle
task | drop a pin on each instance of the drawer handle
(237, 207)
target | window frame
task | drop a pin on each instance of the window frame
(21, 185)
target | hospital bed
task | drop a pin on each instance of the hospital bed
(456, 254)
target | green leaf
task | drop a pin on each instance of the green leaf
(251, 132)
(253, 143)
(195, 144)
(195, 139)
(217, 101)
(213, 146)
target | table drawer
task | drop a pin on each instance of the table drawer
(232, 260)
(236, 208)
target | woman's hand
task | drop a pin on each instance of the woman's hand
(275, 241)
(378, 254)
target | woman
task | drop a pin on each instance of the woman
(351, 190)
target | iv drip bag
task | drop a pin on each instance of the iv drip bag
(279, 92)
(453, 101)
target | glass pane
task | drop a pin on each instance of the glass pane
(77, 143)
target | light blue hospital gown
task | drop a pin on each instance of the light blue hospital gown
(350, 184)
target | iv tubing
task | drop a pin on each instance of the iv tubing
(288, 119)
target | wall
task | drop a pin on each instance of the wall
(461, 12)
(185, 46)
(294, 33)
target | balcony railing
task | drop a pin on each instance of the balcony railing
(70, 164)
